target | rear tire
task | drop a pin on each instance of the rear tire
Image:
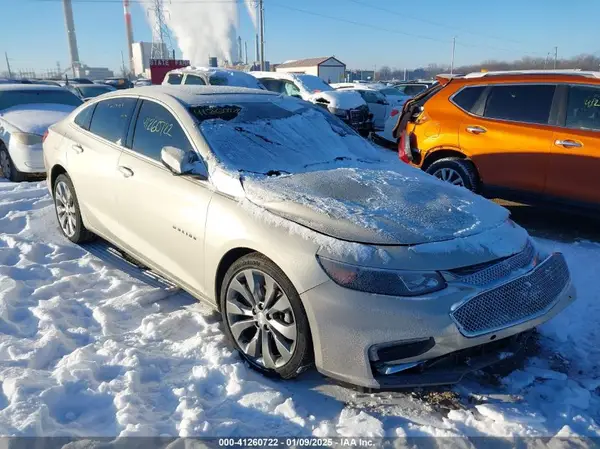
(456, 171)
(68, 212)
(263, 314)
(7, 167)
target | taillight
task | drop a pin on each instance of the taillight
(404, 147)
(44, 136)
(394, 113)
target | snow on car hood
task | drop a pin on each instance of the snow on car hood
(376, 205)
(35, 118)
(339, 99)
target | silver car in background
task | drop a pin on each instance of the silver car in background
(316, 247)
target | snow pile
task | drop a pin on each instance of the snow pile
(87, 349)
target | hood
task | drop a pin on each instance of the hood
(376, 206)
(339, 99)
(35, 118)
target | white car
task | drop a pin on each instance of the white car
(210, 76)
(26, 112)
(349, 106)
(378, 104)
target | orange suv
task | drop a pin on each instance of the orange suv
(530, 136)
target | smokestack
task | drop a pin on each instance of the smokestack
(129, 31)
(70, 24)
(246, 51)
(240, 50)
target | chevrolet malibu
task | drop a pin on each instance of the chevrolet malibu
(316, 247)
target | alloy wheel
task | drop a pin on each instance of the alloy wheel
(449, 175)
(65, 208)
(4, 164)
(261, 319)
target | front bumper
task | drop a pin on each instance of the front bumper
(347, 324)
(27, 158)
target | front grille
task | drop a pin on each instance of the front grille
(359, 115)
(483, 275)
(514, 302)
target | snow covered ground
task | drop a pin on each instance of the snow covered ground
(87, 349)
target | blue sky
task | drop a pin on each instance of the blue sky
(403, 34)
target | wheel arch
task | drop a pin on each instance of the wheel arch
(441, 153)
(228, 259)
(54, 173)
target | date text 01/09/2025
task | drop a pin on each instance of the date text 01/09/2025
(296, 442)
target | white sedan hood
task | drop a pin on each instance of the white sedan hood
(339, 99)
(35, 118)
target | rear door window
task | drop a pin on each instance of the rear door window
(528, 103)
(174, 78)
(111, 118)
(156, 128)
(583, 108)
(273, 85)
(467, 97)
(194, 80)
(84, 118)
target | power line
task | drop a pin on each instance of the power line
(377, 27)
(149, 1)
(430, 22)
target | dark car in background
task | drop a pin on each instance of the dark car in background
(119, 82)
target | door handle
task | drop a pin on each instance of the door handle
(77, 148)
(476, 130)
(568, 144)
(126, 171)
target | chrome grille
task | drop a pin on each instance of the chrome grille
(359, 115)
(492, 273)
(514, 302)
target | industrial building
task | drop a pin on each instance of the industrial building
(141, 57)
(329, 69)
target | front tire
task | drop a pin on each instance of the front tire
(456, 171)
(7, 167)
(68, 212)
(264, 318)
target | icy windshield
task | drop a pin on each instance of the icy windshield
(11, 98)
(313, 83)
(279, 136)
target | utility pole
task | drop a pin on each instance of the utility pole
(453, 52)
(261, 26)
(123, 69)
(555, 56)
(8, 65)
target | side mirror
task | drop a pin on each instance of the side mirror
(181, 162)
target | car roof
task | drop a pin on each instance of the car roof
(18, 86)
(568, 72)
(193, 95)
(205, 70)
(277, 75)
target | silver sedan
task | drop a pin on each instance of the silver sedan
(316, 247)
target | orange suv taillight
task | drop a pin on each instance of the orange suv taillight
(405, 147)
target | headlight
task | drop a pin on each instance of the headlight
(383, 282)
(339, 112)
(26, 138)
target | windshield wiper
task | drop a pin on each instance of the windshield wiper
(267, 173)
(339, 158)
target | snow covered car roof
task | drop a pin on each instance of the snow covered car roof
(193, 95)
(19, 86)
(234, 77)
(276, 75)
